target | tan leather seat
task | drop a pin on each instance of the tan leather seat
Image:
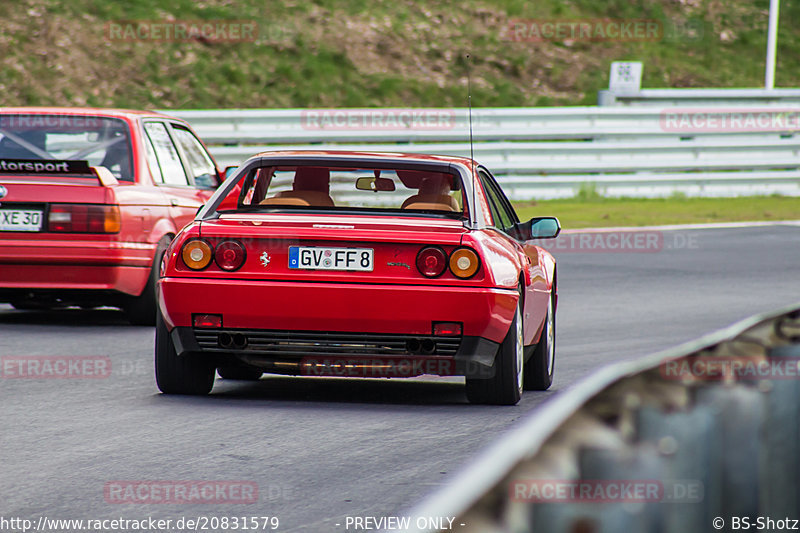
(437, 203)
(284, 200)
(434, 193)
(317, 198)
(311, 188)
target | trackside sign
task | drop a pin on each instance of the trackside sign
(39, 166)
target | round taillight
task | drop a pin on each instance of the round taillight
(196, 254)
(464, 262)
(229, 255)
(431, 261)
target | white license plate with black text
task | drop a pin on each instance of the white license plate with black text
(20, 220)
(322, 258)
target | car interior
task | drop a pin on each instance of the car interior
(310, 186)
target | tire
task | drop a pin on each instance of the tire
(191, 375)
(141, 310)
(539, 369)
(25, 305)
(505, 385)
(239, 373)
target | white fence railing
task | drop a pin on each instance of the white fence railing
(548, 152)
(704, 97)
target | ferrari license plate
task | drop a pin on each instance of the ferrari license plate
(20, 220)
(321, 258)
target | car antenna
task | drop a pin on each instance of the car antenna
(471, 152)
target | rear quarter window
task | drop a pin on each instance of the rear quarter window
(100, 141)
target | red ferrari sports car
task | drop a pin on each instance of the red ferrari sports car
(359, 264)
(89, 201)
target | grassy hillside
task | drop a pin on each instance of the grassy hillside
(613, 212)
(343, 53)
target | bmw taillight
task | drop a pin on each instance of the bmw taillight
(229, 255)
(196, 254)
(431, 261)
(84, 218)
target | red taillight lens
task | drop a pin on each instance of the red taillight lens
(431, 261)
(207, 321)
(447, 329)
(229, 255)
(84, 218)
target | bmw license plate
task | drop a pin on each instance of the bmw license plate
(321, 258)
(20, 220)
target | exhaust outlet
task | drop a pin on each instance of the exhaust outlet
(428, 346)
(225, 340)
(239, 341)
(413, 346)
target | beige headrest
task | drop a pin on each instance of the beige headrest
(284, 200)
(446, 200)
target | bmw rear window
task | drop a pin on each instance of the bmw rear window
(101, 141)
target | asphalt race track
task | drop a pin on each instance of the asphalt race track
(323, 449)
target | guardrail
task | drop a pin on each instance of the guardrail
(683, 440)
(704, 97)
(548, 152)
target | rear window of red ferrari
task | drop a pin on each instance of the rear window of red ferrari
(101, 141)
(306, 187)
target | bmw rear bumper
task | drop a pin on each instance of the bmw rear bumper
(69, 263)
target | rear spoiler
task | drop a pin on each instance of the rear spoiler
(104, 175)
(46, 167)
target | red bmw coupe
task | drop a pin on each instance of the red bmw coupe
(89, 201)
(359, 264)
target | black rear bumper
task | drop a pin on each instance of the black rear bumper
(285, 351)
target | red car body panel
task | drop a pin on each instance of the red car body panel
(264, 296)
(85, 263)
(381, 308)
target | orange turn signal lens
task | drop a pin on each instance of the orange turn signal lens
(84, 218)
(112, 222)
(196, 254)
(464, 262)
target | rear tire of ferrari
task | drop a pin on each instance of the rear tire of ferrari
(141, 310)
(504, 387)
(22, 305)
(190, 375)
(539, 369)
(239, 373)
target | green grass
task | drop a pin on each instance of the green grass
(609, 212)
(340, 53)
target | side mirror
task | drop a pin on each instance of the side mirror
(375, 184)
(229, 170)
(206, 181)
(539, 228)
